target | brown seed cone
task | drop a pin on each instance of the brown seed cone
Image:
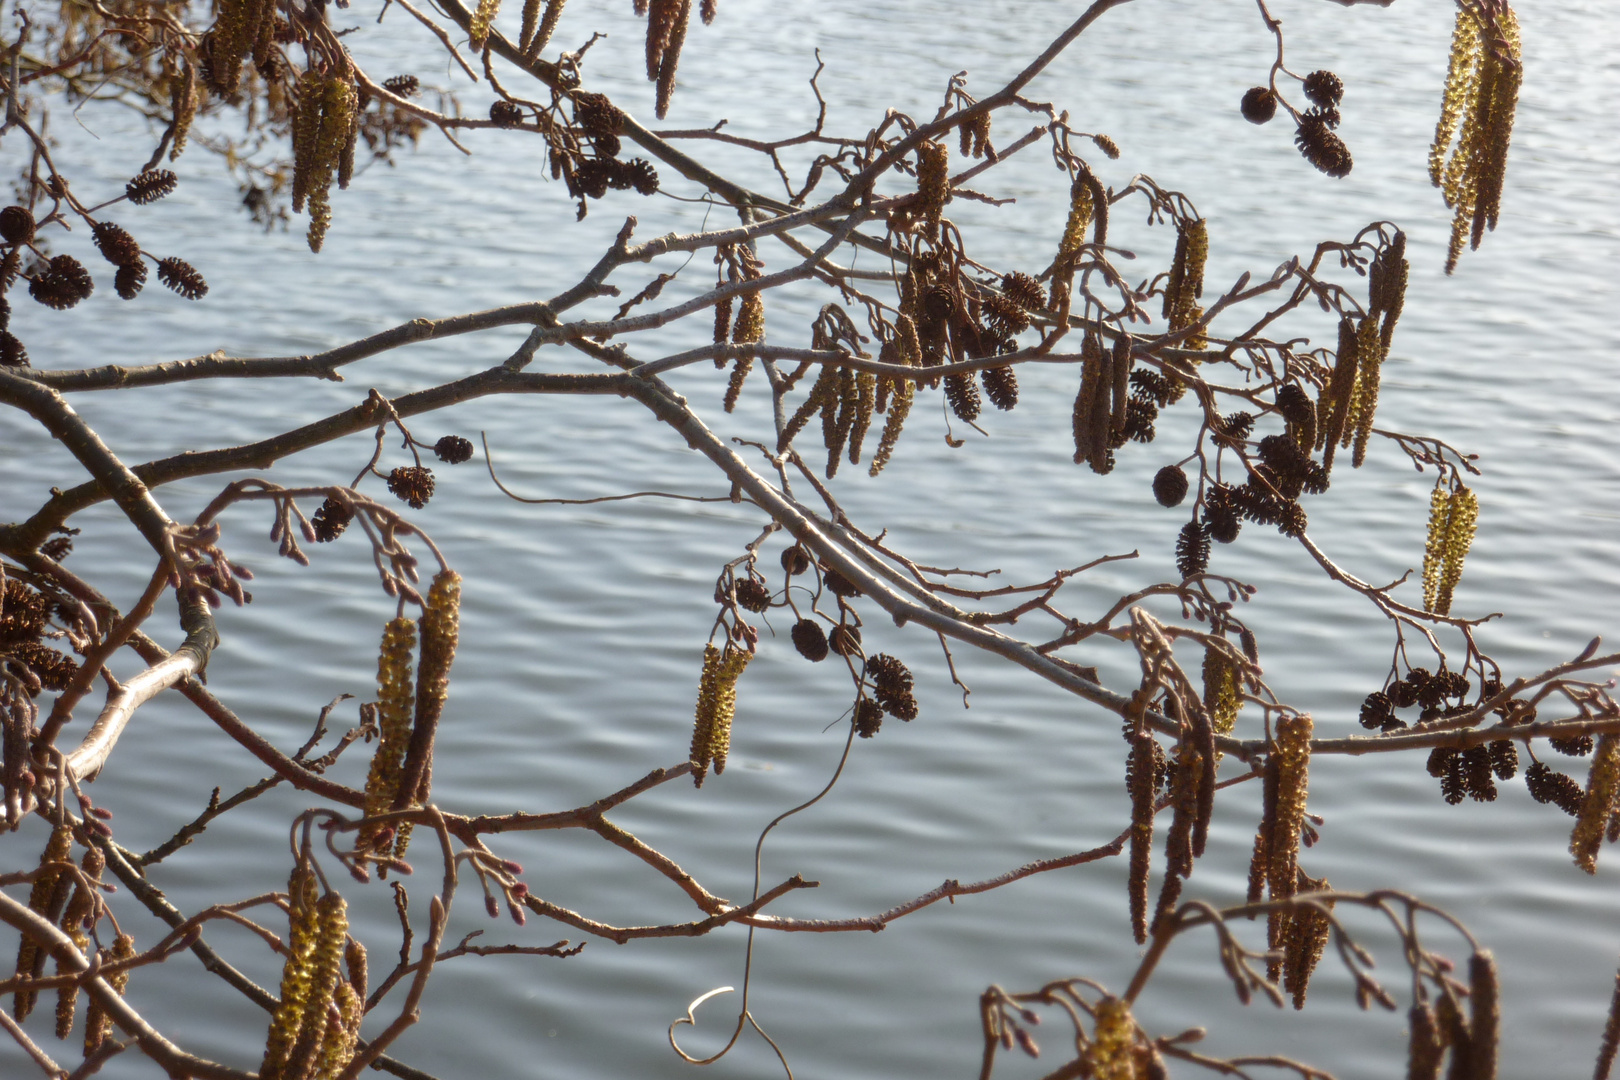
(810, 640)
(963, 395)
(16, 225)
(1599, 803)
(845, 640)
(129, 280)
(1001, 386)
(412, 485)
(12, 352)
(62, 283)
(150, 186)
(181, 277)
(115, 245)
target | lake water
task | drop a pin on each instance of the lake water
(583, 625)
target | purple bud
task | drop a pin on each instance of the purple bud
(492, 907)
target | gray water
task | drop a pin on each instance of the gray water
(583, 626)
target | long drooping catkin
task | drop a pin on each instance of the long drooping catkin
(1308, 930)
(1485, 1015)
(1111, 1055)
(395, 697)
(296, 974)
(331, 930)
(441, 628)
(1481, 99)
(1453, 519)
(1140, 782)
(97, 1024)
(716, 708)
(1611, 1036)
(1599, 804)
(1292, 749)
(30, 958)
(80, 907)
(1333, 411)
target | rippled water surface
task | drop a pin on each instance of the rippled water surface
(582, 626)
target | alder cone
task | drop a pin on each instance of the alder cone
(1170, 485)
(809, 639)
(1259, 105)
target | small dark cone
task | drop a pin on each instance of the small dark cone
(640, 174)
(1575, 746)
(839, 585)
(1320, 146)
(1548, 786)
(794, 560)
(129, 280)
(151, 186)
(62, 284)
(868, 718)
(1504, 759)
(1324, 88)
(412, 484)
(16, 225)
(963, 395)
(1259, 104)
(596, 115)
(845, 640)
(1221, 517)
(403, 85)
(181, 277)
(1192, 550)
(1376, 710)
(1403, 695)
(505, 113)
(1170, 485)
(116, 245)
(1001, 386)
(1024, 291)
(330, 520)
(12, 353)
(753, 595)
(453, 449)
(1139, 419)
(809, 639)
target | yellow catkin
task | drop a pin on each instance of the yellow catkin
(79, 908)
(306, 129)
(1333, 411)
(899, 409)
(1370, 351)
(1484, 1015)
(1186, 282)
(849, 407)
(1602, 789)
(1293, 753)
(440, 630)
(338, 101)
(1453, 519)
(1481, 99)
(1094, 384)
(750, 326)
(731, 669)
(97, 1024)
(30, 960)
(1460, 75)
(933, 180)
(296, 974)
(1221, 695)
(1082, 208)
(865, 404)
(337, 1048)
(706, 713)
(1309, 929)
(1111, 1053)
(483, 18)
(395, 698)
(331, 930)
